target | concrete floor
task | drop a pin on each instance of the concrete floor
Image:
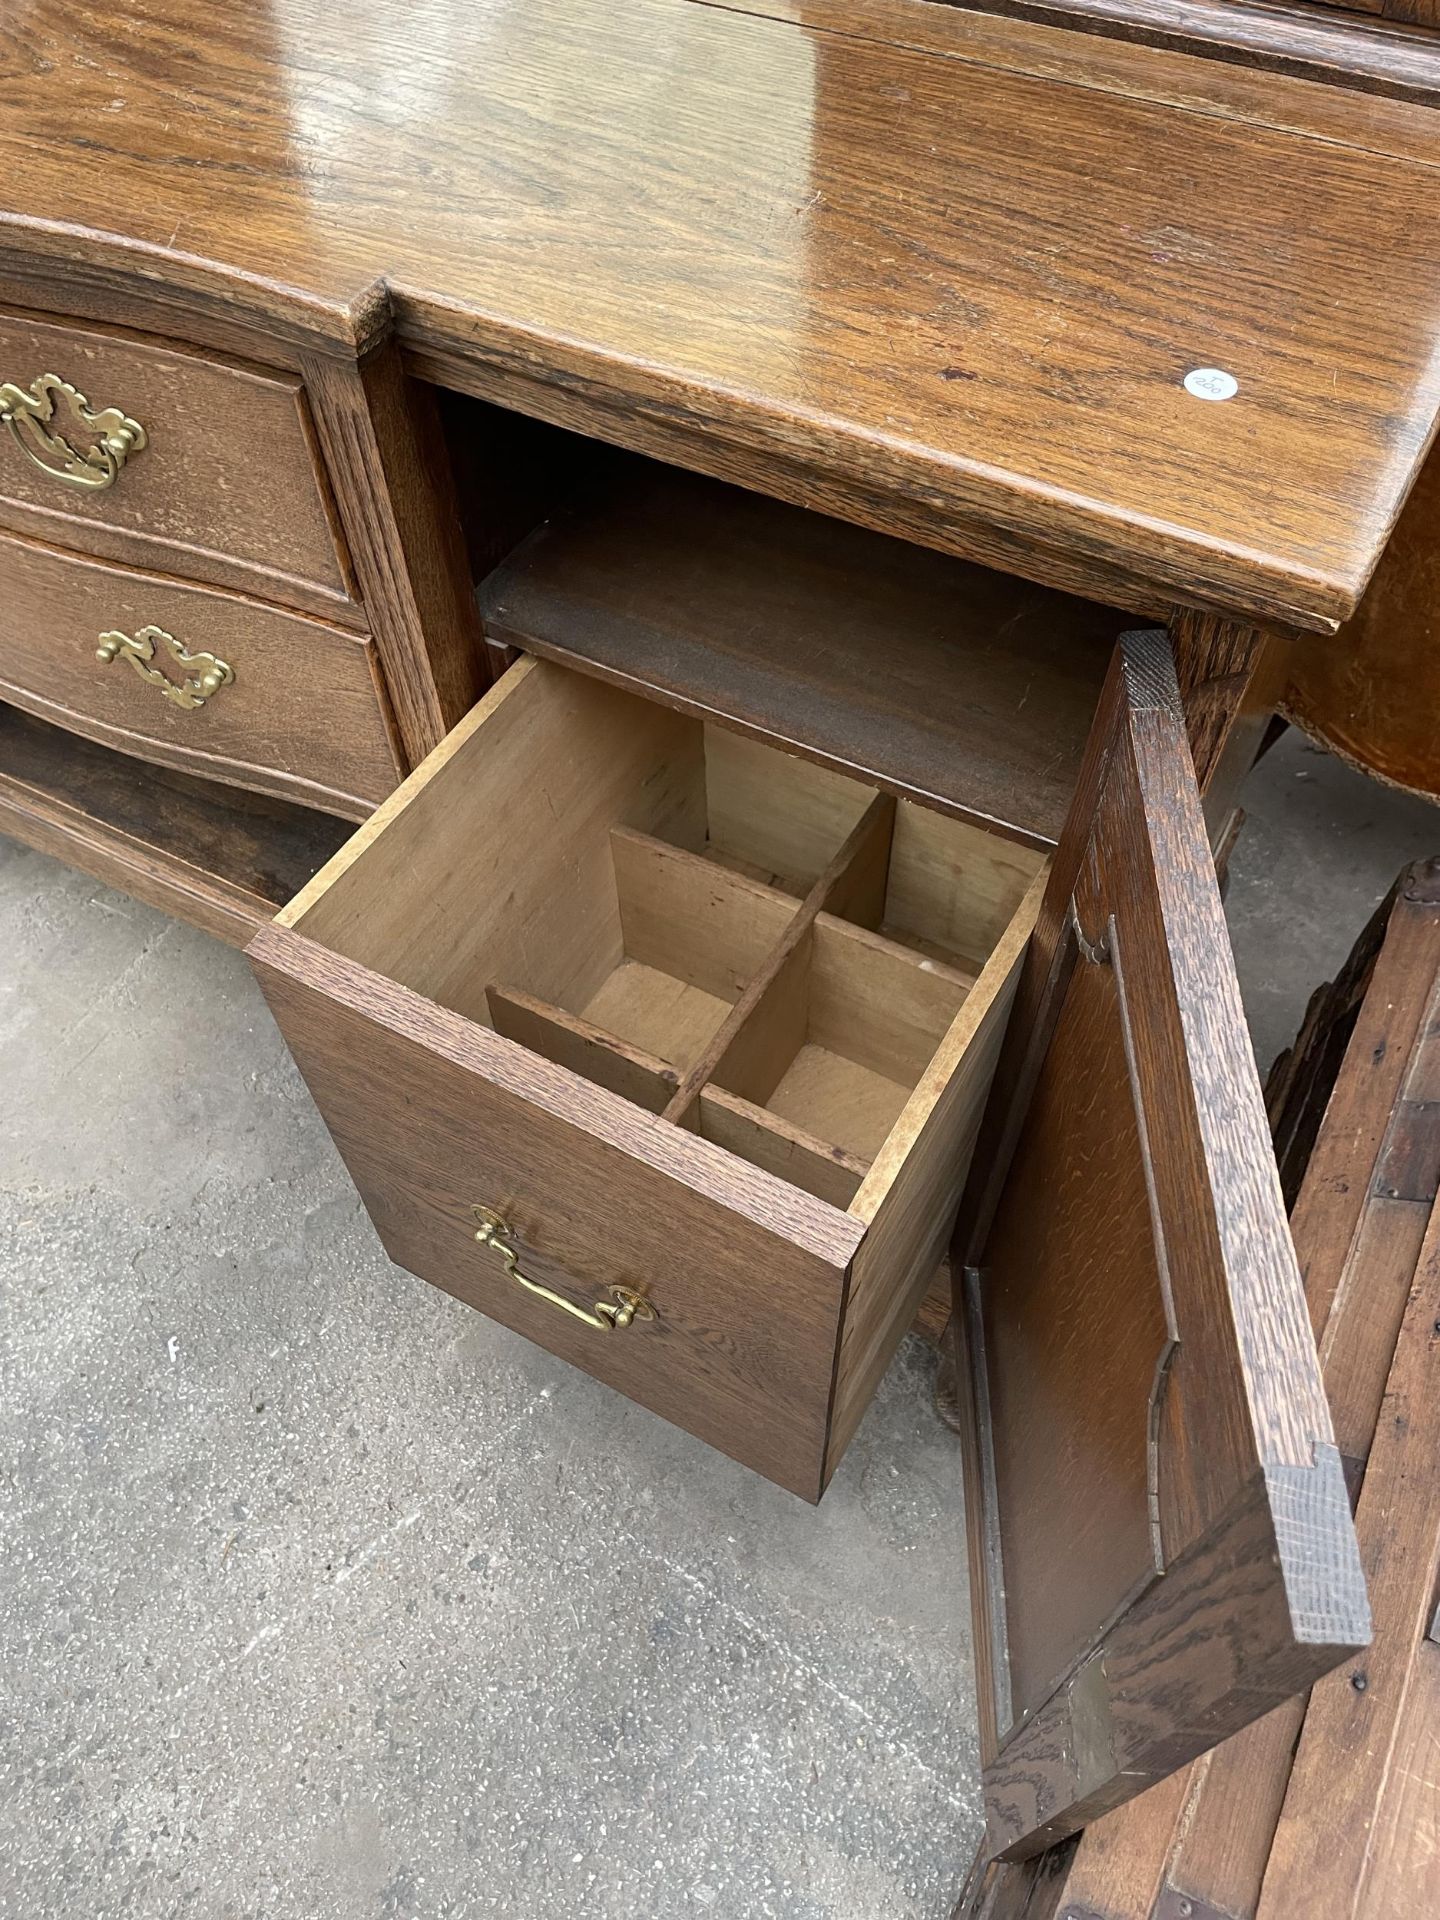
(320, 1596)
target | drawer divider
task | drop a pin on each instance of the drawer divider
(574, 1042)
(852, 885)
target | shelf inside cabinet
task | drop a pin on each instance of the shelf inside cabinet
(223, 858)
(967, 690)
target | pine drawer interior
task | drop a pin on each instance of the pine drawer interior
(754, 947)
(699, 1019)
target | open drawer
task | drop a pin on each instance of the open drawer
(661, 1046)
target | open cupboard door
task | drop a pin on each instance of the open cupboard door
(1161, 1543)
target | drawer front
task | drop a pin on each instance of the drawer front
(206, 681)
(202, 467)
(434, 1116)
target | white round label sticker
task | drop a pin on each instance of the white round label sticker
(1211, 383)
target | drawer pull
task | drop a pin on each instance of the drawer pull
(139, 649)
(27, 410)
(609, 1318)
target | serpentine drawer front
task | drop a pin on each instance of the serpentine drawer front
(205, 681)
(142, 450)
(661, 1046)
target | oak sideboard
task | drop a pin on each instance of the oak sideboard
(695, 583)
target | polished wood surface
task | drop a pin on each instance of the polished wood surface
(228, 489)
(304, 716)
(943, 682)
(222, 860)
(1161, 1545)
(971, 289)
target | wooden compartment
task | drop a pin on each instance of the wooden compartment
(703, 1023)
(222, 859)
(934, 679)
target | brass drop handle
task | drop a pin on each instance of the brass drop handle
(629, 1305)
(211, 674)
(29, 412)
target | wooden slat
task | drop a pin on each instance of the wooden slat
(913, 1188)
(1352, 1840)
(692, 918)
(573, 1042)
(855, 878)
(767, 1141)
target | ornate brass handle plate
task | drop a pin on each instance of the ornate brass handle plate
(139, 649)
(29, 413)
(627, 1305)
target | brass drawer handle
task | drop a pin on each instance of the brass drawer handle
(628, 1306)
(27, 410)
(139, 649)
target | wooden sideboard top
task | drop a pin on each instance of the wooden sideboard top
(963, 261)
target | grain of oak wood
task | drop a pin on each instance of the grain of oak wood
(229, 487)
(953, 684)
(1339, 1101)
(304, 716)
(433, 1114)
(1135, 1048)
(1380, 55)
(970, 291)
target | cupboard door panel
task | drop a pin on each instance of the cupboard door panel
(1162, 1539)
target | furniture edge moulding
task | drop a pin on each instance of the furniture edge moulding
(86, 274)
(1390, 50)
(1028, 532)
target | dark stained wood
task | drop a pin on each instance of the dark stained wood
(1205, 1835)
(221, 860)
(1358, 1831)
(1371, 693)
(433, 1115)
(966, 689)
(383, 442)
(1300, 1081)
(1128, 1021)
(1380, 55)
(1215, 664)
(228, 489)
(304, 717)
(981, 308)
